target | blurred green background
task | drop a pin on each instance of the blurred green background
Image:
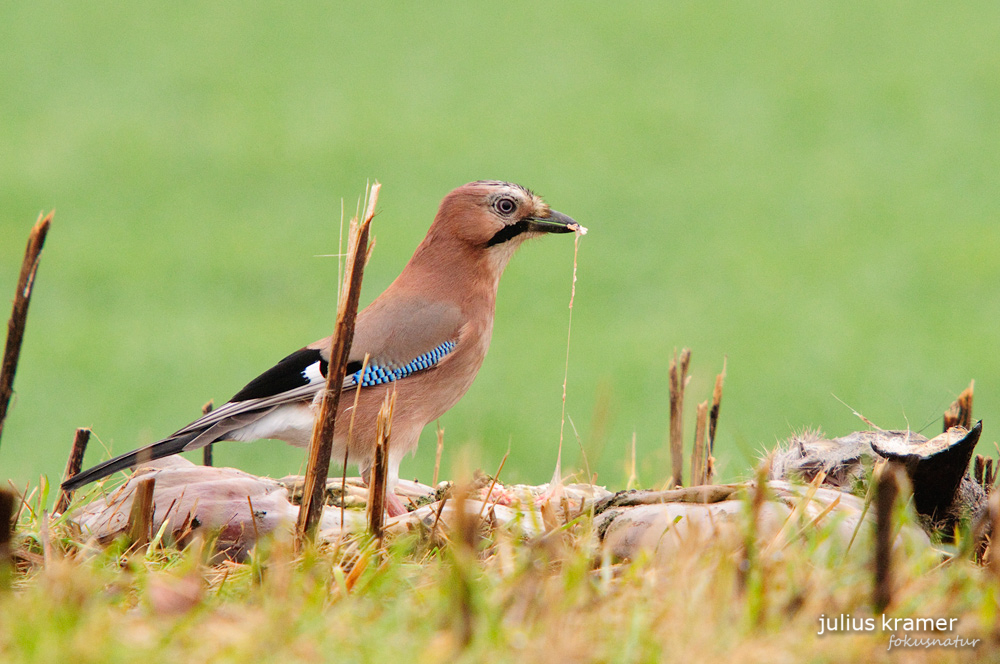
(810, 189)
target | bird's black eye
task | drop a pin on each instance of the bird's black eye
(505, 205)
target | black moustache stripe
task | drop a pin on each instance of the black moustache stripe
(508, 232)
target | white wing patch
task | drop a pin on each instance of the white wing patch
(313, 374)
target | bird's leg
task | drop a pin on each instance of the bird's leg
(393, 505)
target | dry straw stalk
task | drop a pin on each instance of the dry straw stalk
(19, 313)
(321, 446)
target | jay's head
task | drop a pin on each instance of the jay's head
(498, 216)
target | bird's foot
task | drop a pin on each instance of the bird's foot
(393, 505)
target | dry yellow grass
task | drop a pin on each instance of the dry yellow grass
(497, 599)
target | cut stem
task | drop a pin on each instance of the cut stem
(19, 312)
(380, 467)
(321, 446)
(959, 414)
(206, 452)
(140, 519)
(8, 499)
(713, 423)
(678, 381)
(886, 490)
(73, 465)
(698, 454)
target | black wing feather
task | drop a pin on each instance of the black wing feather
(284, 376)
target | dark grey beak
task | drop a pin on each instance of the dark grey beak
(556, 222)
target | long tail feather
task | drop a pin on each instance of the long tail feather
(158, 450)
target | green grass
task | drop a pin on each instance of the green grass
(503, 599)
(808, 189)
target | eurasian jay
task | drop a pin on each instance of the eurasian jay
(426, 337)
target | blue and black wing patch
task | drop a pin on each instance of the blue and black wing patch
(377, 372)
(300, 368)
(307, 366)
